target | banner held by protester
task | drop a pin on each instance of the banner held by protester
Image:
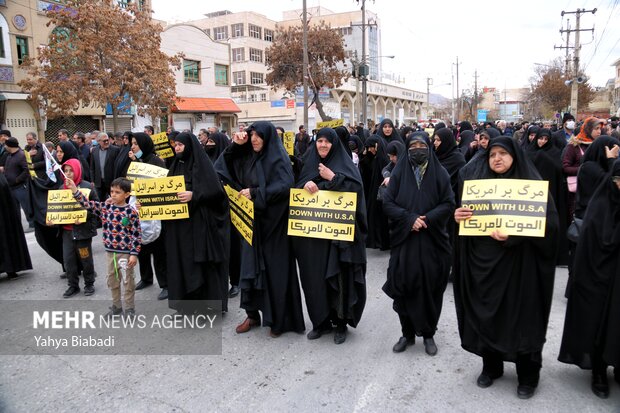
(512, 206)
(162, 145)
(159, 200)
(334, 123)
(62, 208)
(289, 142)
(241, 213)
(30, 164)
(324, 214)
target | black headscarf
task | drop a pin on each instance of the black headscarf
(467, 137)
(71, 152)
(465, 126)
(387, 139)
(449, 156)
(221, 143)
(448, 143)
(525, 139)
(396, 148)
(344, 135)
(521, 167)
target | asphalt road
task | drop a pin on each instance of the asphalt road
(258, 373)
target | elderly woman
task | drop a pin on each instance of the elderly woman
(504, 286)
(591, 338)
(333, 273)
(257, 165)
(418, 202)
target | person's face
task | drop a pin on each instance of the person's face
(596, 132)
(417, 145)
(59, 153)
(372, 149)
(393, 158)
(179, 147)
(483, 141)
(323, 146)
(500, 160)
(88, 138)
(3, 138)
(134, 146)
(542, 140)
(119, 197)
(62, 137)
(257, 142)
(202, 137)
(387, 129)
(30, 140)
(531, 136)
(437, 142)
(118, 140)
(68, 172)
(125, 140)
(105, 142)
(74, 138)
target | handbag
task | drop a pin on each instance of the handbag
(572, 233)
(572, 183)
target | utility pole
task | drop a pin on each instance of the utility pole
(475, 102)
(567, 47)
(305, 64)
(458, 107)
(363, 69)
(429, 82)
(574, 93)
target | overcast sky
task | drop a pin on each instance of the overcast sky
(500, 39)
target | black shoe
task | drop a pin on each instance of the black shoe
(402, 344)
(486, 380)
(318, 332)
(63, 276)
(341, 334)
(143, 284)
(89, 290)
(524, 391)
(163, 295)
(12, 275)
(114, 311)
(233, 292)
(129, 314)
(71, 291)
(600, 386)
(430, 347)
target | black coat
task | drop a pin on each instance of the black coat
(14, 255)
(95, 165)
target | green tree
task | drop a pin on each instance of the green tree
(101, 53)
(325, 51)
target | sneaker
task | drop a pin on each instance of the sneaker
(89, 290)
(114, 311)
(130, 313)
(71, 291)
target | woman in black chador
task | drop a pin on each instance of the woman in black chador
(257, 165)
(14, 255)
(371, 169)
(333, 273)
(418, 202)
(504, 284)
(591, 338)
(197, 247)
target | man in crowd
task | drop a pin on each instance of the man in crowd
(302, 141)
(149, 130)
(17, 175)
(63, 135)
(102, 165)
(37, 155)
(568, 126)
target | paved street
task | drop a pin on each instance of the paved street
(258, 373)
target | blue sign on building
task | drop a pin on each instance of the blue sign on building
(482, 115)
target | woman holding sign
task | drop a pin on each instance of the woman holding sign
(333, 273)
(504, 284)
(198, 247)
(418, 202)
(257, 165)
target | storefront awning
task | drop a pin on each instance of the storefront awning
(206, 105)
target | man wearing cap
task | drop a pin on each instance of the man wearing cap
(17, 175)
(4, 135)
(563, 135)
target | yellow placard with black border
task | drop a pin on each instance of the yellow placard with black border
(30, 164)
(334, 123)
(162, 145)
(159, 200)
(62, 208)
(289, 142)
(324, 214)
(512, 206)
(241, 213)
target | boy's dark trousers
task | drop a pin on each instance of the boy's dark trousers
(77, 252)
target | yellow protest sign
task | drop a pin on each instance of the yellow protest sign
(324, 214)
(289, 142)
(334, 123)
(512, 206)
(139, 170)
(162, 145)
(159, 198)
(241, 213)
(30, 165)
(62, 208)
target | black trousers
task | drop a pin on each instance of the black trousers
(103, 191)
(157, 250)
(74, 253)
(528, 366)
(408, 328)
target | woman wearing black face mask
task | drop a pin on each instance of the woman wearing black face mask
(418, 202)
(216, 144)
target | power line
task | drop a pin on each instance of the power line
(602, 34)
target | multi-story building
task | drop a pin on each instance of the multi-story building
(616, 90)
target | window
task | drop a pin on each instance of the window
(191, 71)
(253, 97)
(237, 30)
(269, 35)
(22, 48)
(263, 97)
(256, 78)
(238, 55)
(220, 33)
(267, 60)
(255, 31)
(256, 55)
(239, 77)
(345, 31)
(221, 75)
(2, 53)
